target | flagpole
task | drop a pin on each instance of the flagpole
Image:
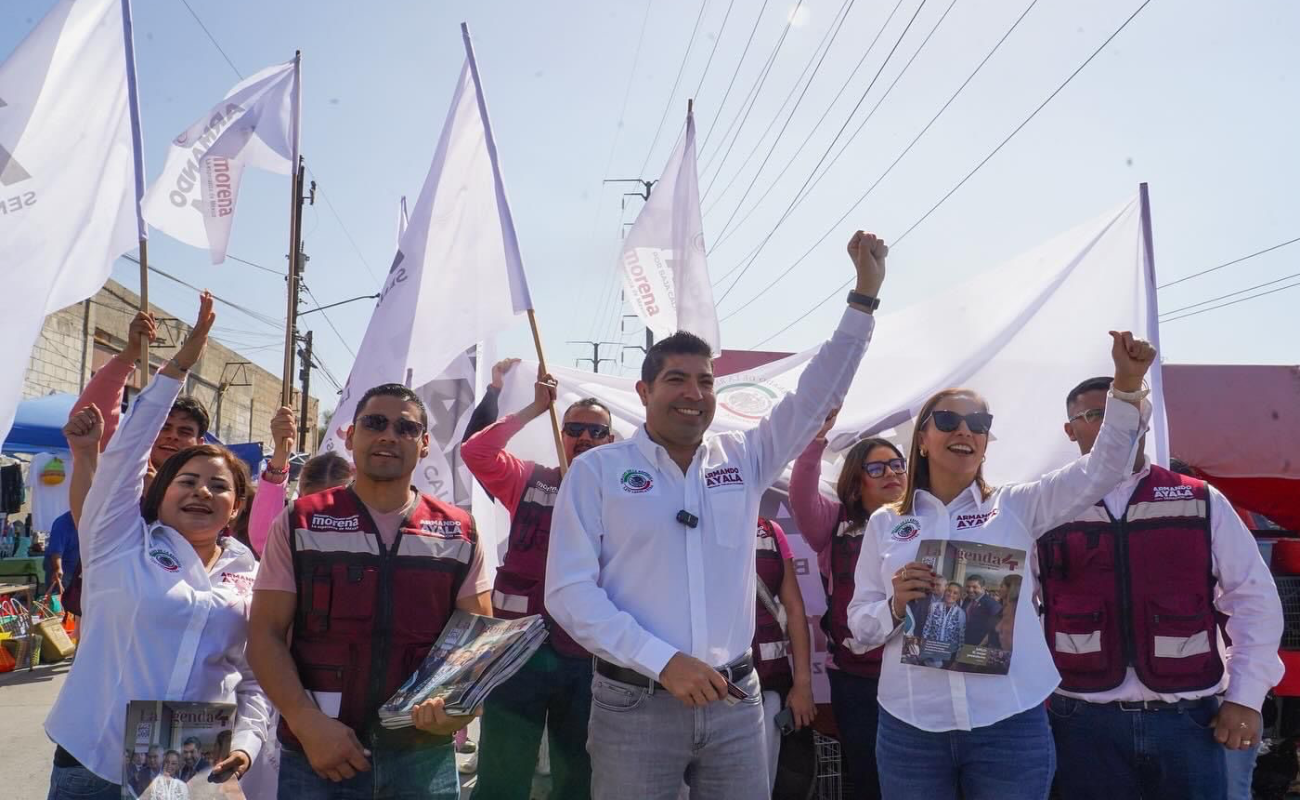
(137, 147)
(295, 223)
(555, 418)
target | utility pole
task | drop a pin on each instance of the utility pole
(647, 186)
(297, 260)
(304, 420)
(595, 352)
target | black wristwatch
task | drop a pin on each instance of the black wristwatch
(872, 303)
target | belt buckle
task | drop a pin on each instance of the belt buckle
(1133, 705)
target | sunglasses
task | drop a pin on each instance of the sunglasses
(949, 421)
(1091, 415)
(405, 428)
(876, 469)
(595, 429)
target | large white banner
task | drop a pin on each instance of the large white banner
(254, 125)
(457, 279)
(67, 174)
(1022, 334)
(665, 275)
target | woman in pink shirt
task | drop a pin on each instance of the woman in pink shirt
(874, 474)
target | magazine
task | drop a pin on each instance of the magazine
(967, 621)
(171, 749)
(473, 656)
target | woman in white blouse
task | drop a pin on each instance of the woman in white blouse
(166, 592)
(965, 728)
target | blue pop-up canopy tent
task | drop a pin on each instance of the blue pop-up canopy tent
(38, 428)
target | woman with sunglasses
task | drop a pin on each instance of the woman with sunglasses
(873, 475)
(945, 731)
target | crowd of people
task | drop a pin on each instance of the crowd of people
(679, 652)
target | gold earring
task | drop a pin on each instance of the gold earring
(923, 454)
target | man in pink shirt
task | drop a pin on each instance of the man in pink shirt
(553, 690)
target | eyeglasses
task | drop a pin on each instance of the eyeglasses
(405, 428)
(949, 421)
(595, 429)
(1091, 415)
(876, 469)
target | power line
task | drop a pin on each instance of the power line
(1230, 294)
(255, 266)
(348, 234)
(716, 39)
(861, 100)
(212, 39)
(676, 82)
(828, 40)
(960, 183)
(257, 315)
(330, 322)
(1232, 303)
(1230, 263)
(735, 74)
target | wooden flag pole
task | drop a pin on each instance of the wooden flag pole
(555, 418)
(143, 378)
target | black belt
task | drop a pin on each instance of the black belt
(64, 759)
(735, 671)
(1158, 705)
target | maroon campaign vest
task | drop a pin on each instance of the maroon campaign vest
(1134, 592)
(771, 647)
(367, 614)
(846, 654)
(520, 587)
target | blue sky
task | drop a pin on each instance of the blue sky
(1197, 98)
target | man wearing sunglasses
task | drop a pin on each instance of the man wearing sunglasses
(652, 567)
(1135, 594)
(553, 690)
(355, 586)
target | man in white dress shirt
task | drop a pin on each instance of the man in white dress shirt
(651, 565)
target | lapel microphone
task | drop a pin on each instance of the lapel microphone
(688, 519)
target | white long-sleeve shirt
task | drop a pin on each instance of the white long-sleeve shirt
(635, 586)
(1245, 592)
(1013, 516)
(158, 626)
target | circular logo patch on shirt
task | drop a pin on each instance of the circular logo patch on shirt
(165, 559)
(747, 400)
(636, 481)
(906, 530)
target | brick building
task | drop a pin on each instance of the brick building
(76, 341)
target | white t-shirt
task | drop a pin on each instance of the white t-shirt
(48, 477)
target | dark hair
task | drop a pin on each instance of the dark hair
(194, 740)
(1180, 466)
(848, 487)
(590, 402)
(170, 752)
(195, 410)
(918, 466)
(952, 583)
(976, 578)
(1100, 384)
(397, 390)
(172, 467)
(239, 528)
(324, 469)
(679, 344)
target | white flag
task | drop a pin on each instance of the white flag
(665, 275)
(68, 203)
(255, 125)
(457, 278)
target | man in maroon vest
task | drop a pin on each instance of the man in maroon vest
(355, 586)
(553, 690)
(1133, 592)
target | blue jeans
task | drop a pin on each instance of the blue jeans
(79, 783)
(422, 773)
(1009, 760)
(857, 714)
(644, 744)
(551, 692)
(1108, 753)
(1239, 771)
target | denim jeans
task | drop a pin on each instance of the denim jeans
(645, 743)
(1009, 760)
(422, 773)
(1239, 771)
(1107, 752)
(857, 715)
(79, 783)
(551, 692)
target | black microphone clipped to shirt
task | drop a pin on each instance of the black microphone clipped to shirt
(688, 519)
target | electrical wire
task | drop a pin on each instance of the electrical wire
(1231, 303)
(329, 321)
(1170, 313)
(734, 74)
(1230, 263)
(676, 82)
(716, 39)
(212, 39)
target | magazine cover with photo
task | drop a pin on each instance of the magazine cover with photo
(171, 747)
(967, 621)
